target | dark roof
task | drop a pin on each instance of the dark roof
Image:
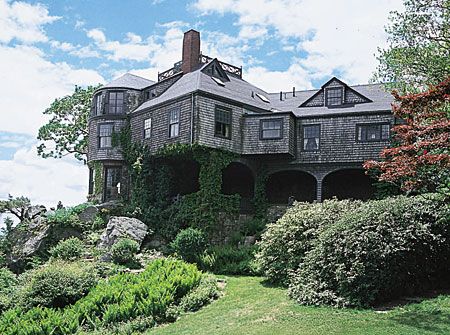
(129, 80)
(381, 101)
(239, 90)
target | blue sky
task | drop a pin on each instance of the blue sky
(48, 47)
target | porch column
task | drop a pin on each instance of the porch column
(319, 188)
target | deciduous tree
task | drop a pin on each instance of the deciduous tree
(418, 49)
(419, 159)
(66, 132)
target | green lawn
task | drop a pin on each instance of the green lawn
(250, 307)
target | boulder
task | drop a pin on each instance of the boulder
(35, 238)
(122, 227)
(88, 214)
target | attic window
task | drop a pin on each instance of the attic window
(333, 96)
(263, 98)
(218, 81)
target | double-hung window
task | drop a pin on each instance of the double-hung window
(112, 182)
(372, 132)
(333, 96)
(174, 122)
(148, 128)
(311, 137)
(115, 103)
(98, 101)
(105, 132)
(271, 129)
(222, 122)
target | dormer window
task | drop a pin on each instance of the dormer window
(333, 96)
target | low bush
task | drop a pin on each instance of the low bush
(285, 243)
(56, 284)
(68, 250)
(189, 244)
(379, 251)
(122, 298)
(8, 282)
(124, 251)
(230, 260)
(202, 295)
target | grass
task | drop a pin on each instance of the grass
(251, 307)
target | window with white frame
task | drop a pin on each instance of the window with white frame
(174, 122)
(311, 137)
(148, 128)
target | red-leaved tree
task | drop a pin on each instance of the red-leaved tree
(418, 159)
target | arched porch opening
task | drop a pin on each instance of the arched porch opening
(297, 185)
(237, 178)
(348, 184)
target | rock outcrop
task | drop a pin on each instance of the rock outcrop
(122, 227)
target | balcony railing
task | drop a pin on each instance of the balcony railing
(203, 59)
(234, 70)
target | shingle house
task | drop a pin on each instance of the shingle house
(311, 143)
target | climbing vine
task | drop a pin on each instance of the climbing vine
(151, 180)
(98, 180)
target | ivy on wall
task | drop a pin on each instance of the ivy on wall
(151, 181)
(98, 181)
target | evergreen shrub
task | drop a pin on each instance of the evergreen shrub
(69, 249)
(56, 284)
(124, 251)
(190, 244)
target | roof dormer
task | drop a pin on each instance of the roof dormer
(214, 70)
(334, 94)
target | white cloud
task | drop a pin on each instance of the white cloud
(23, 21)
(275, 81)
(337, 36)
(44, 181)
(30, 83)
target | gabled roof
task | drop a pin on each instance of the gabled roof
(129, 80)
(380, 101)
(239, 90)
(340, 84)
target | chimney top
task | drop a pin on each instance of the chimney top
(191, 51)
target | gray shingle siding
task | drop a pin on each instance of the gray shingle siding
(95, 153)
(338, 140)
(160, 124)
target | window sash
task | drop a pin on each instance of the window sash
(222, 123)
(174, 123)
(271, 129)
(373, 132)
(115, 102)
(311, 137)
(334, 96)
(105, 132)
(112, 182)
(98, 104)
(147, 128)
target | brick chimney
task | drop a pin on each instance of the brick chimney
(191, 51)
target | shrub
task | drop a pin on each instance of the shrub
(285, 243)
(8, 282)
(189, 243)
(124, 251)
(56, 284)
(377, 252)
(68, 250)
(134, 299)
(203, 294)
(230, 260)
